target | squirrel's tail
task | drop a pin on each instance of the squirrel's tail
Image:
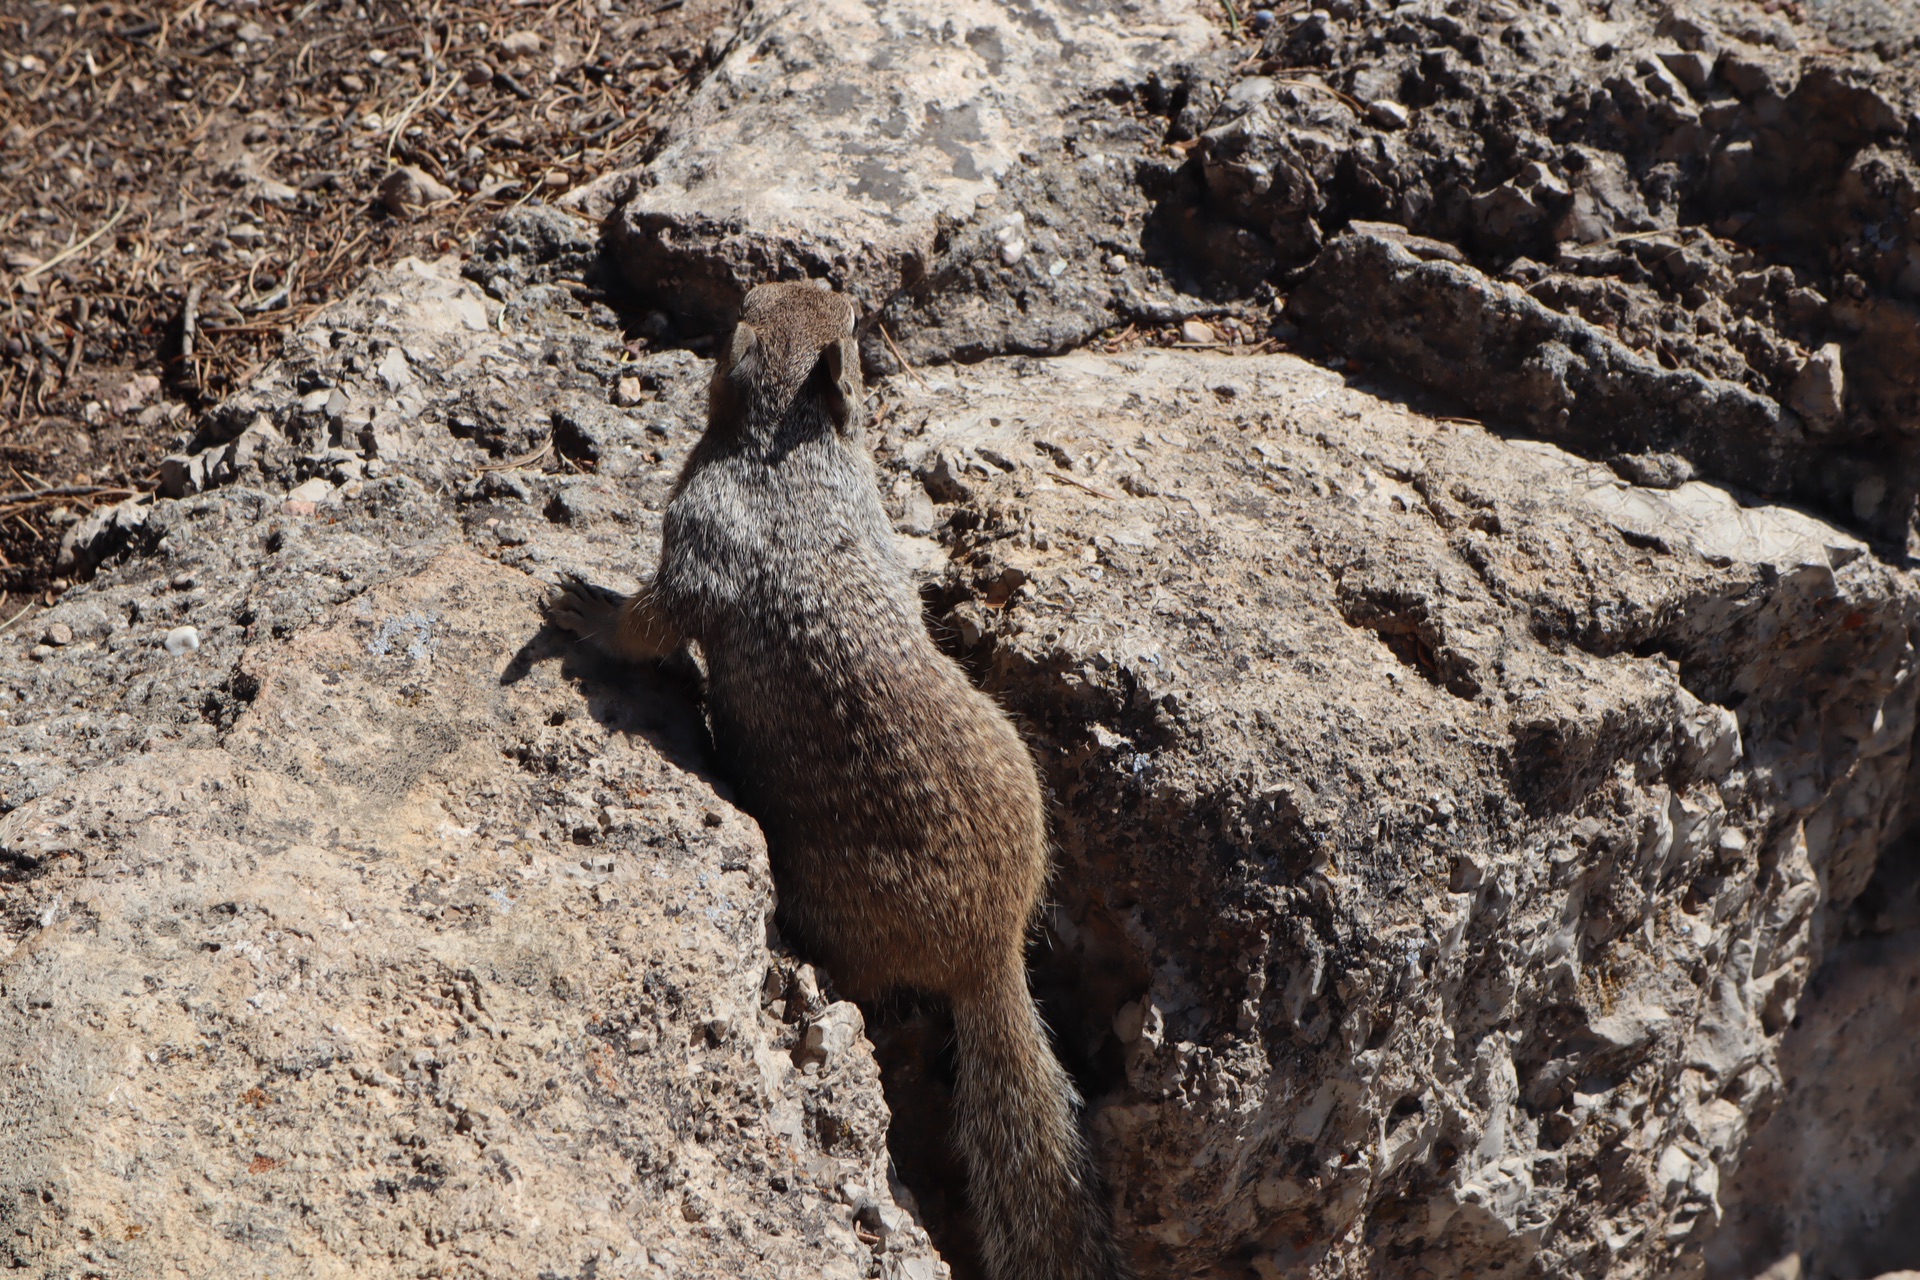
(1036, 1200)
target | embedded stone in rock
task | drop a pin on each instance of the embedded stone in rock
(1819, 393)
(839, 138)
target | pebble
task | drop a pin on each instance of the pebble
(394, 370)
(1819, 393)
(883, 1220)
(1388, 114)
(521, 43)
(1692, 68)
(182, 640)
(832, 1035)
(1261, 20)
(352, 83)
(409, 188)
(1198, 331)
(133, 394)
(58, 634)
(629, 392)
(310, 491)
(479, 74)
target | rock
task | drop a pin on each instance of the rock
(100, 534)
(1842, 1136)
(1198, 332)
(1419, 246)
(1388, 114)
(831, 1035)
(59, 634)
(132, 394)
(382, 974)
(1819, 392)
(1275, 1005)
(394, 369)
(1563, 377)
(837, 140)
(181, 475)
(521, 44)
(409, 189)
(1451, 819)
(884, 1219)
(181, 641)
(1691, 67)
(1654, 470)
(316, 490)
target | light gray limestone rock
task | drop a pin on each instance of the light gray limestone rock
(1448, 827)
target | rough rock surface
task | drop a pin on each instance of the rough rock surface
(1833, 1180)
(1446, 821)
(373, 934)
(1709, 192)
(846, 139)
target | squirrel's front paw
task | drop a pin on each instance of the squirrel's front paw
(582, 609)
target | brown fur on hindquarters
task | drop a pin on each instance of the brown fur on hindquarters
(901, 808)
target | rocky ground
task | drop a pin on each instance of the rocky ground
(1435, 483)
(190, 182)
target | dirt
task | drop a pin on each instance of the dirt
(226, 160)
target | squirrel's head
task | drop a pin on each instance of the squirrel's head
(792, 360)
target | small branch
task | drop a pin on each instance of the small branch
(81, 310)
(63, 491)
(189, 319)
(1095, 490)
(897, 355)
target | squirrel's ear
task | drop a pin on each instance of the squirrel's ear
(835, 390)
(744, 346)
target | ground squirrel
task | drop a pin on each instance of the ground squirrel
(901, 808)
